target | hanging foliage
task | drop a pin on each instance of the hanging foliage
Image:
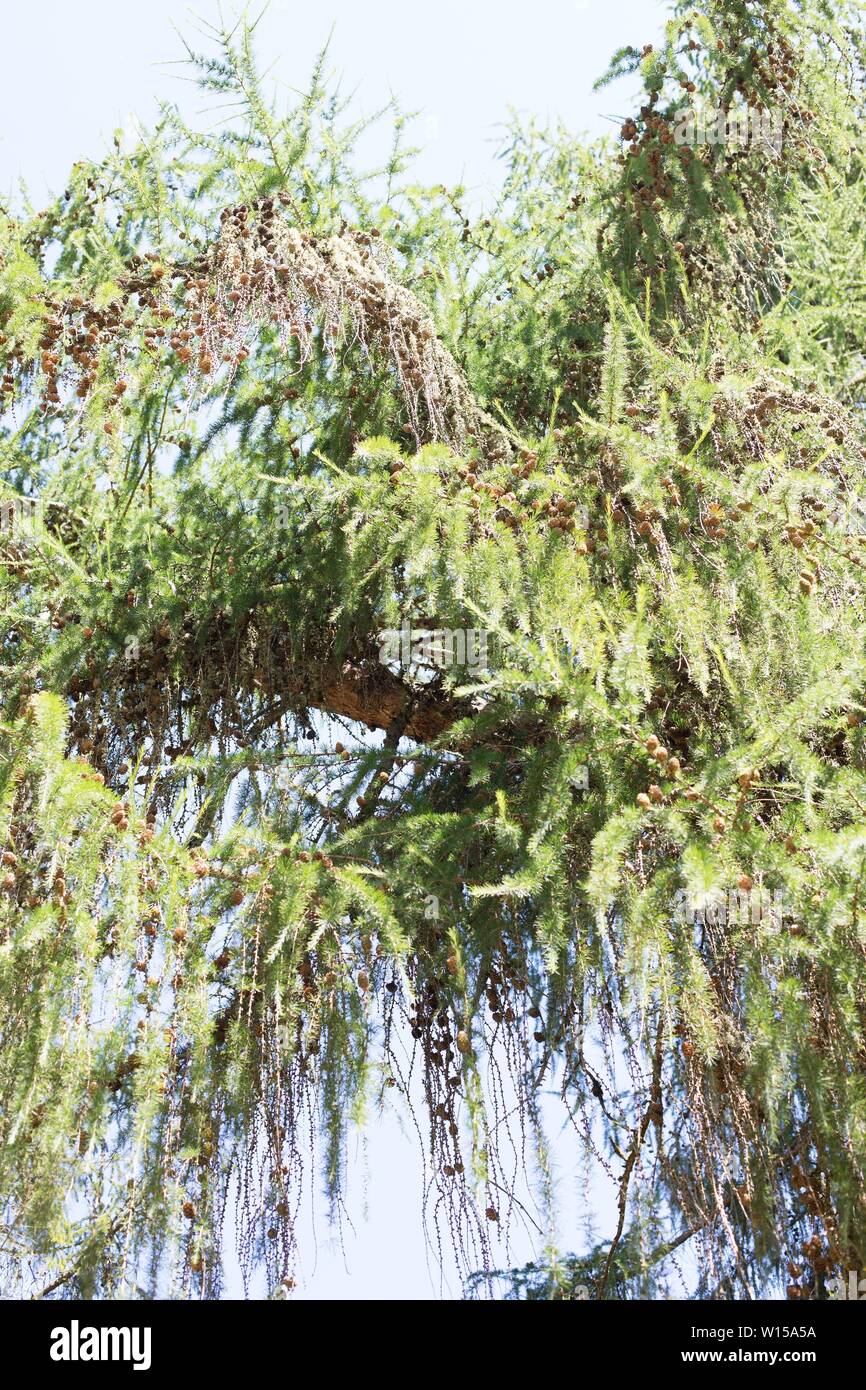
(432, 667)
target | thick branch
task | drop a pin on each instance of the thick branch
(379, 698)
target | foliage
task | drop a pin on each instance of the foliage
(270, 408)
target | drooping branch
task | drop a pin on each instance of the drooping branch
(261, 270)
(373, 696)
(378, 698)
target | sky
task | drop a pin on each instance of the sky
(72, 72)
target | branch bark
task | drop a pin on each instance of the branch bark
(382, 700)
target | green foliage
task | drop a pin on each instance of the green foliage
(272, 409)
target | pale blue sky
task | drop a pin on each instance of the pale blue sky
(74, 70)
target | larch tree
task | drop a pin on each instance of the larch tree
(432, 669)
